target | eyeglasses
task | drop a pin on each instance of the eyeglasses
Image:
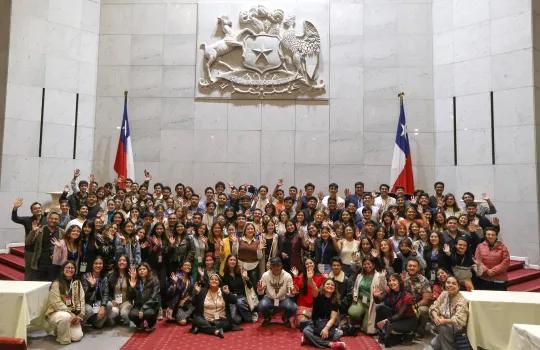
(69, 268)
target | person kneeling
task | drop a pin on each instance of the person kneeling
(322, 330)
(96, 291)
(144, 296)
(395, 317)
(449, 313)
(65, 306)
(277, 285)
(212, 305)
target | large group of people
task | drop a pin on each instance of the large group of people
(386, 264)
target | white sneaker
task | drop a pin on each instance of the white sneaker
(255, 316)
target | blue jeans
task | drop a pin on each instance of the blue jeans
(266, 307)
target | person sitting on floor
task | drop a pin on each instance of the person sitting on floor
(212, 308)
(144, 296)
(65, 306)
(449, 313)
(322, 330)
(180, 295)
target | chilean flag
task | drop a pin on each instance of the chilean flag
(123, 164)
(401, 173)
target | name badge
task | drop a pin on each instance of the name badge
(432, 276)
(216, 316)
(160, 259)
(276, 302)
(96, 307)
(118, 298)
(83, 266)
(364, 299)
(67, 300)
(199, 259)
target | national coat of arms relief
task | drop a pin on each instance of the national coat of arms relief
(262, 54)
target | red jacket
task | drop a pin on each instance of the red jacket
(496, 259)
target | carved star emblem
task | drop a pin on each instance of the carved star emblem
(262, 51)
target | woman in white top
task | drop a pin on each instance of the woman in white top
(348, 251)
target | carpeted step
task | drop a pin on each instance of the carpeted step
(522, 275)
(515, 265)
(9, 273)
(13, 261)
(529, 286)
(17, 251)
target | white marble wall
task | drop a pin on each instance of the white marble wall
(478, 47)
(149, 49)
(53, 45)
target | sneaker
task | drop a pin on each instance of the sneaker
(194, 329)
(220, 334)
(160, 314)
(255, 316)
(338, 345)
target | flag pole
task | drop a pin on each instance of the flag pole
(125, 97)
(400, 96)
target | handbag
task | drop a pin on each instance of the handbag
(251, 297)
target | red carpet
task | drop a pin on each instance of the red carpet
(275, 337)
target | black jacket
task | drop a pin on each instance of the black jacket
(98, 292)
(148, 297)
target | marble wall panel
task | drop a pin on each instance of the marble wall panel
(148, 18)
(473, 112)
(422, 146)
(112, 80)
(472, 42)
(241, 173)
(215, 149)
(472, 76)
(519, 76)
(346, 19)
(443, 48)
(444, 148)
(513, 145)
(346, 147)
(276, 147)
(474, 178)
(414, 18)
(53, 174)
(90, 15)
(311, 147)
(270, 172)
(442, 15)
(467, 12)
(27, 69)
(87, 78)
(509, 180)
(114, 50)
(380, 17)
(178, 81)
(415, 50)
(209, 173)
(210, 115)
(514, 107)
(59, 107)
(174, 172)
(181, 18)
(177, 146)
(146, 81)
(146, 50)
(19, 174)
(63, 41)
(57, 140)
(474, 146)
(423, 177)
(31, 110)
(312, 116)
(177, 113)
(346, 114)
(244, 115)
(348, 82)
(109, 111)
(244, 146)
(317, 174)
(179, 49)
(66, 12)
(511, 33)
(278, 115)
(444, 81)
(141, 108)
(22, 138)
(346, 49)
(378, 148)
(116, 19)
(345, 175)
(504, 8)
(381, 50)
(85, 144)
(444, 114)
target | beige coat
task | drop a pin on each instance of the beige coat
(455, 309)
(379, 280)
(56, 300)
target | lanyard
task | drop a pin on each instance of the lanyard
(323, 248)
(69, 289)
(141, 287)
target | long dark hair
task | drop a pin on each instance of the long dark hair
(304, 289)
(62, 282)
(115, 273)
(335, 298)
(103, 271)
(227, 269)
